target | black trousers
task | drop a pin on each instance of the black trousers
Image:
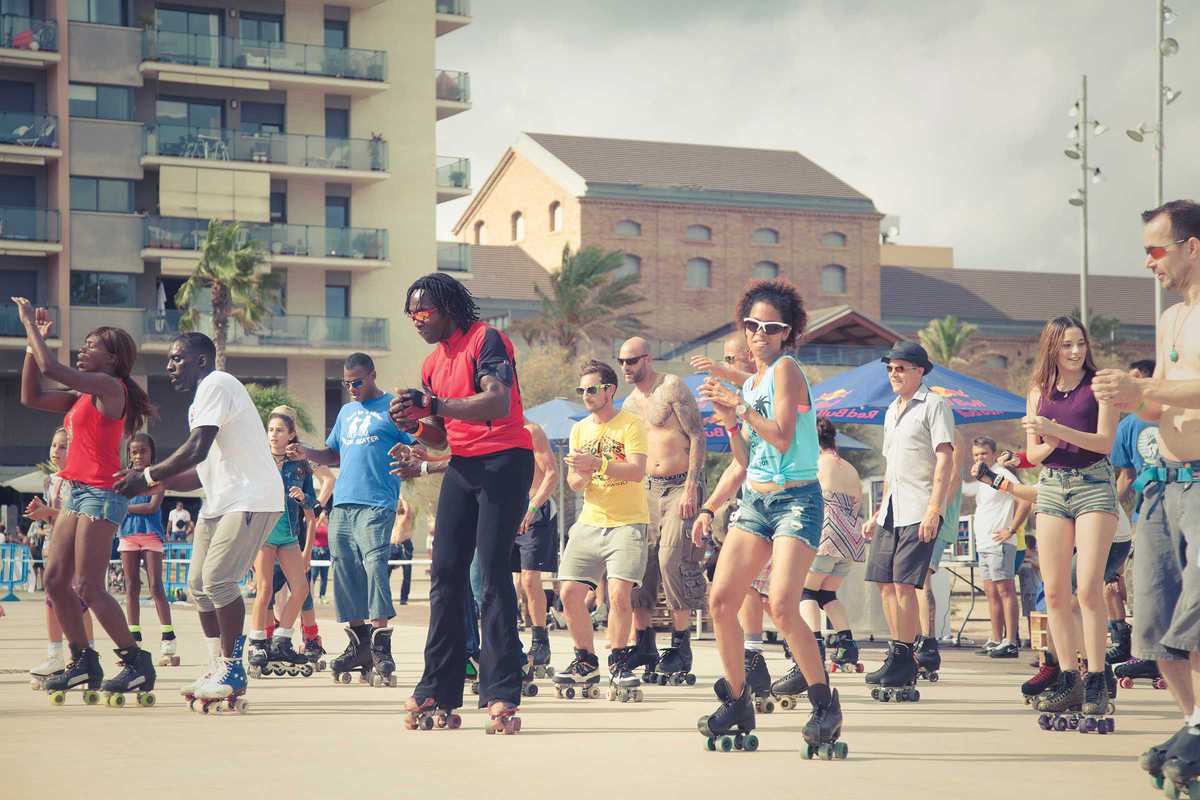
(482, 502)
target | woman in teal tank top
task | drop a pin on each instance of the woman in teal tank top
(773, 433)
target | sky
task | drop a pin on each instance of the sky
(950, 115)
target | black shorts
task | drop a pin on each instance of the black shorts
(1118, 554)
(898, 555)
(537, 548)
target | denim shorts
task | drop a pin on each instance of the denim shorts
(830, 565)
(96, 504)
(1071, 493)
(798, 512)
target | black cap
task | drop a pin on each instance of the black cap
(911, 352)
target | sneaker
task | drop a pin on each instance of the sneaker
(987, 648)
(1006, 650)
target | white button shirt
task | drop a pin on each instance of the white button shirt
(910, 441)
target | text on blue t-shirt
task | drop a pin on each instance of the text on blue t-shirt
(362, 436)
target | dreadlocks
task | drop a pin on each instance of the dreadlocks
(448, 296)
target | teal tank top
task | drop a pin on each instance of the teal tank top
(767, 464)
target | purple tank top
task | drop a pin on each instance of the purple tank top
(1076, 409)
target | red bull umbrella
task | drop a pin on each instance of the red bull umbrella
(862, 396)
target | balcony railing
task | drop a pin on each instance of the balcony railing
(461, 8)
(177, 233)
(29, 224)
(453, 257)
(453, 173)
(453, 86)
(839, 355)
(10, 321)
(24, 129)
(28, 33)
(291, 149)
(202, 50)
(283, 330)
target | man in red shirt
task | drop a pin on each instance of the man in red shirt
(470, 400)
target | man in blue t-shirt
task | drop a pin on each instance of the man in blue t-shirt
(360, 524)
(1135, 446)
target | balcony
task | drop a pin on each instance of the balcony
(453, 257)
(838, 355)
(177, 240)
(249, 64)
(450, 15)
(27, 138)
(12, 332)
(287, 333)
(452, 178)
(29, 231)
(282, 154)
(29, 42)
(453, 92)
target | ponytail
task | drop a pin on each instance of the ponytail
(139, 410)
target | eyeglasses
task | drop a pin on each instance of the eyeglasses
(591, 391)
(1159, 250)
(753, 325)
(354, 384)
(896, 368)
(421, 314)
(629, 362)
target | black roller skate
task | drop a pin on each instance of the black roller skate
(788, 690)
(874, 676)
(845, 653)
(1121, 634)
(824, 727)
(356, 657)
(137, 675)
(383, 666)
(528, 687)
(735, 715)
(539, 654)
(425, 715)
(675, 662)
(623, 684)
(1153, 759)
(929, 658)
(259, 658)
(900, 681)
(471, 673)
(580, 678)
(83, 671)
(1134, 670)
(645, 654)
(1043, 679)
(286, 661)
(1062, 703)
(313, 652)
(1096, 705)
(759, 679)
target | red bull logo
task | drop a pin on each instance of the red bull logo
(829, 398)
(948, 393)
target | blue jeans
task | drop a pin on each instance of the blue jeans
(96, 504)
(797, 512)
(359, 541)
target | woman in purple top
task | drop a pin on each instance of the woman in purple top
(1069, 433)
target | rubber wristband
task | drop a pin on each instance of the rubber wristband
(532, 506)
(424, 467)
(434, 403)
(146, 476)
(420, 431)
(708, 511)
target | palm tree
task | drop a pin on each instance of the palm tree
(586, 301)
(229, 269)
(946, 339)
(267, 398)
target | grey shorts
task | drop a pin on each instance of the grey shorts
(1071, 493)
(672, 561)
(998, 565)
(593, 551)
(898, 555)
(223, 548)
(830, 565)
(1166, 587)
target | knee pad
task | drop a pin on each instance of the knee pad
(825, 596)
(810, 594)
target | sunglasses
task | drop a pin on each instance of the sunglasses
(730, 359)
(354, 384)
(896, 368)
(1159, 250)
(421, 314)
(591, 391)
(629, 362)
(753, 325)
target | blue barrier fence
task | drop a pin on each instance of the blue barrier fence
(14, 569)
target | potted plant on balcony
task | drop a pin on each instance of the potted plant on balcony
(366, 245)
(458, 178)
(375, 146)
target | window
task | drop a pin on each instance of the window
(518, 226)
(101, 12)
(261, 118)
(279, 207)
(260, 27)
(699, 274)
(178, 117)
(631, 266)
(337, 212)
(698, 233)
(17, 96)
(765, 271)
(995, 361)
(102, 289)
(628, 227)
(833, 239)
(765, 236)
(555, 216)
(101, 102)
(101, 194)
(337, 301)
(480, 233)
(833, 279)
(337, 123)
(337, 34)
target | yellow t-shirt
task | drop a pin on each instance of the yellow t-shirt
(610, 503)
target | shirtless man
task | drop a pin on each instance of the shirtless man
(675, 480)
(536, 545)
(1166, 609)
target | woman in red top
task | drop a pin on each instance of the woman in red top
(102, 403)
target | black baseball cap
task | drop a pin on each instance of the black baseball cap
(911, 352)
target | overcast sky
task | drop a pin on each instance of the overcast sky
(951, 115)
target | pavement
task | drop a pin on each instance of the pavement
(970, 736)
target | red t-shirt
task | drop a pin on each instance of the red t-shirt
(95, 452)
(456, 368)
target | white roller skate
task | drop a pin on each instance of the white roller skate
(53, 665)
(166, 653)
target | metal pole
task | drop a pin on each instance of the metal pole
(1084, 131)
(1158, 146)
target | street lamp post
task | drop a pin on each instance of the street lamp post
(1083, 130)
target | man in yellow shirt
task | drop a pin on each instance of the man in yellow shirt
(607, 462)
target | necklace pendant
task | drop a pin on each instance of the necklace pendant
(1173, 355)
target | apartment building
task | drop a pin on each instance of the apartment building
(125, 125)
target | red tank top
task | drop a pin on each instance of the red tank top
(94, 455)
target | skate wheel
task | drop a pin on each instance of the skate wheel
(832, 667)
(570, 692)
(808, 752)
(1111, 708)
(786, 703)
(637, 695)
(875, 694)
(1088, 725)
(241, 706)
(915, 696)
(1171, 790)
(593, 692)
(933, 677)
(750, 743)
(1125, 683)
(91, 697)
(374, 680)
(690, 679)
(612, 695)
(58, 698)
(726, 744)
(738, 740)
(145, 699)
(841, 750)
(205, 708)
(1044, 722)
(825, 752)
(1060, 724)
(859, 668)
(710, 744)
(321, 665)
(426, 723)
(346, 678)
(307, 670)
(1160, 683)
(885, 696)
(454, 722)
(192, 704)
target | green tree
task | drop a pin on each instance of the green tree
(587, 301)
(1103, 332)
(945, 339)
(267, 398)
(230, 269)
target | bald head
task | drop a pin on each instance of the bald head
(737, 353)
(634, 360)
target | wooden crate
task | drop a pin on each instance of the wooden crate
(1040, 627)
